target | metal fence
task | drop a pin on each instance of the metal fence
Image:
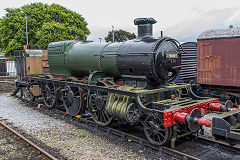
(7, 69)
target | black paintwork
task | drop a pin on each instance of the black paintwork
(145, 60)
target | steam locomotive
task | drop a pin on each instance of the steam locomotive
(143, 62)
(129, 82)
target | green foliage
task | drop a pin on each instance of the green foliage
(11, 58)
(120, 36)
(53, 31)
(46, 23)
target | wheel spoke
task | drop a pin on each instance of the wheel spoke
(52, 96)
(76, 93)
(150, 124)
(98, 115)
(74, 100)
(65, 99)
(155, 132)
(159, 139)
(106, 114)
(48, 95)
(97, 101)
(104, 118)
(52, 100)
(162, 130)
(70, 101)
(161, 135)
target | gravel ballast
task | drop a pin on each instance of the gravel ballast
(70, 141)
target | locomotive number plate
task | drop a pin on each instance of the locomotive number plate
(171, 55)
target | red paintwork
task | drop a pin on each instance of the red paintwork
(180, 117)
(206, 122)
(169, 116)
(120, 83)
(58, 76)
(84, 78)
(218, 62)
(215, 106)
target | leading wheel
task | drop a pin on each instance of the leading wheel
(155, 132)
(96, 106)
(49, 94)
(73, 101)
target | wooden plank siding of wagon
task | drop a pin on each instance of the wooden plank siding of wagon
(218, 57)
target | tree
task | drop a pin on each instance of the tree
(46, 23)
(120, 36)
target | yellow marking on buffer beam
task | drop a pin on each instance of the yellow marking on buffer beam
(78, 116)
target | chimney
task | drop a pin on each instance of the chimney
(144, 26)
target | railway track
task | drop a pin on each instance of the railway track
(187, 148)
(13, 145)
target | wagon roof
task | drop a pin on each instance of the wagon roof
(220, 33)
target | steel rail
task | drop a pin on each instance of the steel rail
(90, 125)
(219, 144)
(39, 150)
(125, 136)
(146, 143)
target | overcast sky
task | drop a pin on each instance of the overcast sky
(180, 19)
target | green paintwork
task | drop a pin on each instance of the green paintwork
(95, 76)
(108, 62)
(82, 58)
(56, 57)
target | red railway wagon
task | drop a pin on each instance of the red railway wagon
(218, 60)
